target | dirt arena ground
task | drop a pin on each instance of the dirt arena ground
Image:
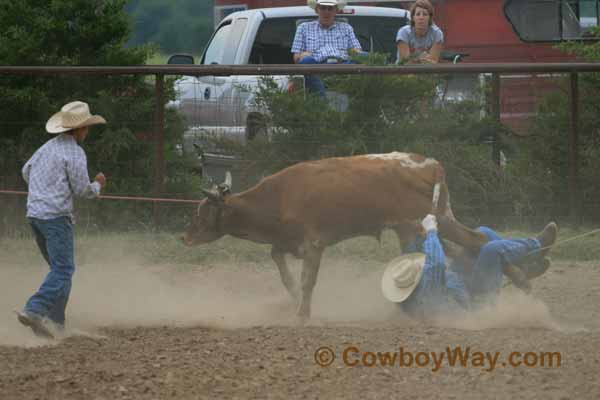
(141, 331)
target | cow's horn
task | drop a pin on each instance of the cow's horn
(228, 179)
(225, 187)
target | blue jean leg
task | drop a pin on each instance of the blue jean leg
(55, 240)
(489, 233)
(486, 279)
(40, 240)
(314, 84)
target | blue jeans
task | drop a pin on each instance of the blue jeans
(54, 237)
(314, 84)
(486, 278)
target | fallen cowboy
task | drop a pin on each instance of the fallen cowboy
(311, 205)
(426, 285)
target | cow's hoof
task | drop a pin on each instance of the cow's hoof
(303, 315)
(302, 320)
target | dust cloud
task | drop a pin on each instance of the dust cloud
(513, 309)
(126, 292)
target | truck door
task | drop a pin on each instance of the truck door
(213, 93)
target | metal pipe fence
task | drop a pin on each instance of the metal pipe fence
(498, 71)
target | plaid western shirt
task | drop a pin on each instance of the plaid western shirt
(334, 41)
(56, 172)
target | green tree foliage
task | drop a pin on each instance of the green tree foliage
(70, 33)
(182, 26)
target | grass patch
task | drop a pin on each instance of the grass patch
(150, 247)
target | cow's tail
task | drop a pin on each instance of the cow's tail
(440, 203)
(449, 227)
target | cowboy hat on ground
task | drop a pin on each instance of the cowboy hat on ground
(401, 276)
(72, 116)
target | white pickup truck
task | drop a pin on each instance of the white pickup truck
(216, 106)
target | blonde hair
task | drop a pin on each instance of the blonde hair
(424, 4)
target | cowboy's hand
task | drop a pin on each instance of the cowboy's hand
(101, 179)
(429, 223)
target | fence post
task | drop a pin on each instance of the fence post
(495, 109)
(574, 151)
(159, 135)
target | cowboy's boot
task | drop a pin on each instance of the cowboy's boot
(537, 263)
(547, 237)
(536, 268)
(517, 277)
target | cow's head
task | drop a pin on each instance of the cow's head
(207, 222)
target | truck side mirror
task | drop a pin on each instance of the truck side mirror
(181, 59)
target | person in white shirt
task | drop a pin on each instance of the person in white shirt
(56, 173)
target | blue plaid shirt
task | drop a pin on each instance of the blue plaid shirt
(440, 291)
(323, 43)
(56, 172)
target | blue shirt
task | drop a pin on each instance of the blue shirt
(323, 43)
(56, 172)
(440, 291)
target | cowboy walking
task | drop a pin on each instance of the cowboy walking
(55, 173)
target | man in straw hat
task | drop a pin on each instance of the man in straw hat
(55, 173)
(425, 287)
(324, 41)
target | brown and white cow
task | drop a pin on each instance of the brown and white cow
(314, 204)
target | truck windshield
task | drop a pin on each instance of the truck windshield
(214, 52)
(275, 36)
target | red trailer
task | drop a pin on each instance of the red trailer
(516, 31)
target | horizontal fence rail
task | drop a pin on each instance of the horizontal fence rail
(283, 69)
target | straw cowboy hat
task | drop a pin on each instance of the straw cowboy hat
(339, 3)
(72, 116)
(401, 276)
